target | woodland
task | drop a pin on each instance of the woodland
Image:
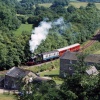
(79, 25)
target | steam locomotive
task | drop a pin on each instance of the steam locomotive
(43, 57)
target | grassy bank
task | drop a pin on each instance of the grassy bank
(7, 97)
(48, 69)
(54, 74)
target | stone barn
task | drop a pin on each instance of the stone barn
(69, 59)
(14, 77)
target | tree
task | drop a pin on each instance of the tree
(71, 9)
(80, 85)
(62, 3)
(8, 17)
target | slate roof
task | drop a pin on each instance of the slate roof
(92, 71)
(69, 55)
(1, 78)
(95, 58)
(17, 72)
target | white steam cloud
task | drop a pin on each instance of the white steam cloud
(59, 21)
(39, 34)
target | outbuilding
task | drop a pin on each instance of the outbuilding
(69, 59)
(15, 75)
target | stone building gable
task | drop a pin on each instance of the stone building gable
(95, 58)
(15, 75)
(69, 59)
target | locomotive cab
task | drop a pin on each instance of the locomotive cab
(39, 58)
(31, 61)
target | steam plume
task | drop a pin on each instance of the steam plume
(39, 34)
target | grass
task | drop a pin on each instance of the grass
(78, 4)
(93, 49)
(98, 5)
(7, 97)
(97, 52)
(48, 71)
(23, 28)
(84, 4)
(75, 3)
(47, 5)
(54, 74)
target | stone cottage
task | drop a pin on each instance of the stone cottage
(69, 59)
(14, 77)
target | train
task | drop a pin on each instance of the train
(51, 55)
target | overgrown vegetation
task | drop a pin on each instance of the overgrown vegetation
(47, 66)
(79, 25)
(94, 48)
(50, 69)
(75, 87)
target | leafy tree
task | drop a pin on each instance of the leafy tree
(8, 17)
(71, 9)
(62, 3)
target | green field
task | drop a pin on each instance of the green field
(23, 28)
(7, 97)
(97, 5)
(75, 3)
(54, 74)
(98, 52)
(78, 4)
(45, 4)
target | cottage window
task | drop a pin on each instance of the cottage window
(65, 74)
(13, 86)
(70, 61)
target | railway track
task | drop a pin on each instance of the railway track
(91, 41)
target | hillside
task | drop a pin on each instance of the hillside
(77, 24)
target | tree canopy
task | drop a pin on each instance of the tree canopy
(78, 25)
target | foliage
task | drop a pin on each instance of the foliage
(75, 87)
(93, 48)
(79, 25)
(62, 3)
(81, 87)
(12, 50)
(45, 67)
(8, 17)
(47, 45)
(41, 91)
(89, 0)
